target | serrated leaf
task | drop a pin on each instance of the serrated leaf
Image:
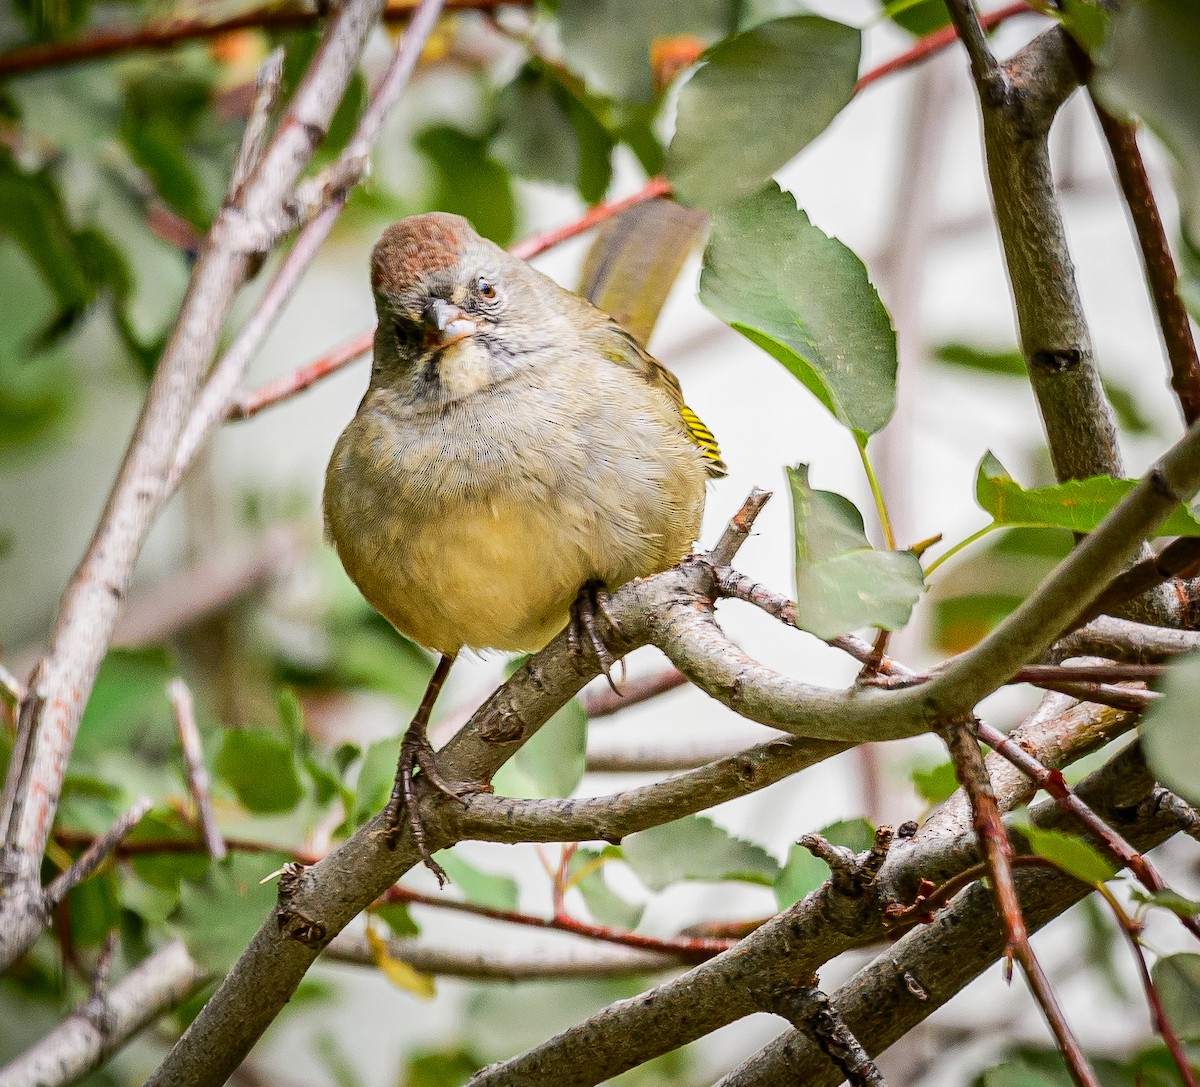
(1177, 979)
(842, 583)
(261, 770)
(805, 299)
(610, 43)
(1079, 505)
(803, 873)
(935, 784)
(1168, 730)
(397, 971)
(730, 136)
(585, 870)
(218, 916)
(695, 848)
(482, 888)
(1073, 855)
(551, 763)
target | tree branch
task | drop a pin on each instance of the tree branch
(107, 1021)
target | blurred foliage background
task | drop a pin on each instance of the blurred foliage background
(112, 170)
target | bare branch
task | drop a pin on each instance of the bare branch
(1121, 639)
(197, 774)
(95, 855)
(106, 1022)
(605, 702)
(811, 1011)
(532, 963)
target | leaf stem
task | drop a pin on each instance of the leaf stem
(960, 546)
(877, 492)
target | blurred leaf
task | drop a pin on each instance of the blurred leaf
(1079, 505)
(164, 108)
(128, 709)
(1073, 855)
(1148, 68)
(397, 971)
(635, 260)
(50, 19)
(376, 776)
(469, 182)
(803, 873)
(95, 909)
(730, 132)
(805, 299)
(167, 869)
(935, 784)
(441, 1068)
(218, 915)
(547, 133)
(397, 918)
(1168, 730)
(695, 848)
(551, 763)
(1102, 943)
(608, 42)
(261, 769)
(1086, 21)
(482, 888)
(1177, 979)
(1017, 1073)
(603, 903)
(842, 583)
(919, 17)
(333, 1056)
(1168, 900)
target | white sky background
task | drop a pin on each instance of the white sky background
(950, 286)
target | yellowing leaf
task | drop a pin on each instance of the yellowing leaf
(397, 971)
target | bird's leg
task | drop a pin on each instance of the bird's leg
(592, 601)
(417, 754)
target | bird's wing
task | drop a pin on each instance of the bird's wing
(621, 347)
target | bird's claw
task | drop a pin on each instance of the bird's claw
(592, 601)
(415, 754)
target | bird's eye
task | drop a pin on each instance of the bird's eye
(485, 288)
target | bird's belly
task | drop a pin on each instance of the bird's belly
(499, 576)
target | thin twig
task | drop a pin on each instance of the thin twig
(197, 774)
(1055, 784)
(1183, 813)
(270, 74)
(603, 702)
(265, 396)
(997, 850)
(690, 948)
(988, 74)
(168, 34)
(937, 41)
(1161, 274)
(96, 854)
(810, 1010)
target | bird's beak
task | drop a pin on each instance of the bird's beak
(445, 323)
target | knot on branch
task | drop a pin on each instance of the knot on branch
(851, 874)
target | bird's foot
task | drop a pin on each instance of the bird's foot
(591, 602)
(415, 754)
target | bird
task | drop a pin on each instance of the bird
(517, 456)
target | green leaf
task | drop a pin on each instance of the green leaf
(609, 43)
(1017, 1073)
(1177, 979)
(919, 17)
(727, 140)
(261, 769)
(803, 873)
(1168, 900)
(50, 19)
(441, 1068)
(128, 710)
(397, 917)
(482, 888)
(695, 848)
(1073, 855)
(805, 299)
(842, 583)
(376, 776)
(469, 182)
(1086, 21)
(603, 903)
(935, 784)
(167, 869)
(95, 909)
(218, 916)
(1148, 68)
(551, 763)
(1079, 505)
(547, 133)
(1168, 730)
